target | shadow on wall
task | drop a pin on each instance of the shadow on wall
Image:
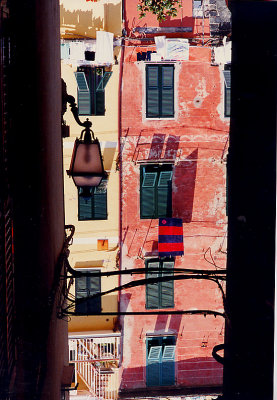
(157, 145)
(184, 187)
(79, 22)
(168, 322)
(155, 152)
(112, 14)
(124, 300)
(191, 374)
(85, 23)
(169, 22)
(177, 23)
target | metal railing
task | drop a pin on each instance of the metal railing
(95, 360)
(95, 348)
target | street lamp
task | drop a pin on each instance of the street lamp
(86, 167)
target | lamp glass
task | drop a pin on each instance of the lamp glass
(82, 181)
(87, 159)
(86, 166)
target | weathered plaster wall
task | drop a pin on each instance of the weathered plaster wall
(196, 142)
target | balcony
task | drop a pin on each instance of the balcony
(96, 363)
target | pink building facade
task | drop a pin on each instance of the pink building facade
(174, 142)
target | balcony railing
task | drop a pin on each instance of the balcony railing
(96, 363)
(104, 348)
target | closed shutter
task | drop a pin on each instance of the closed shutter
(168, 366)
(167, 287)
(98, 95)
(153, 366)
(100, 201)
(167, 87)
(81, 292)
(84, 206)
(84, 94)
(94, 286)
(152, 290)
(100, 103)
(152, 91)
(147, 194)
(164, 203)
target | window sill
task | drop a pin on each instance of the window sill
(160, 119)
(159, 309)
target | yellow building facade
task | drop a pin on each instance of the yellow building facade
(90, 52)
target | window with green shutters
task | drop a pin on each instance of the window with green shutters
(155, 191)
(227, 93)
(159, 294)
(160, 361)
(86, 286)
(92, 202)
(91, 83)
(160, 91)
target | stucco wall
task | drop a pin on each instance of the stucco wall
(196, 142)
(82, 19)
(83, 252)
(184, 19)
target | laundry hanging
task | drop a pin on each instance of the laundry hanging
(104, 47)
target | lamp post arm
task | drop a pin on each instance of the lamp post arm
(74, 109)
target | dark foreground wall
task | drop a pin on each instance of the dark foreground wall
(36, 179)
(248, 371)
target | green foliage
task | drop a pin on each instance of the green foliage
(161, 8)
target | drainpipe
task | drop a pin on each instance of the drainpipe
(119, 149)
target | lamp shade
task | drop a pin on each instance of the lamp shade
(86, 166)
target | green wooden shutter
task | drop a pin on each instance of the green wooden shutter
(84, 206)
(94, 286)
(167, 91)
(103, 82)
(169, 352)
(152, 290)
(100, 201)
(227, 93)
(100, 103)
(147, 194)
(81, 292)
(152, 91)
(154, 353)
(164, 203)
(168, 366)
(84, 94)
(153, 365)
(98, 96)
(167, 288)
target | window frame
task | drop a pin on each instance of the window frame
(160, 371)
(95, 303)
(159, 88)
(92, 199)
(157, 190)
(160, 285)
(96, 90)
